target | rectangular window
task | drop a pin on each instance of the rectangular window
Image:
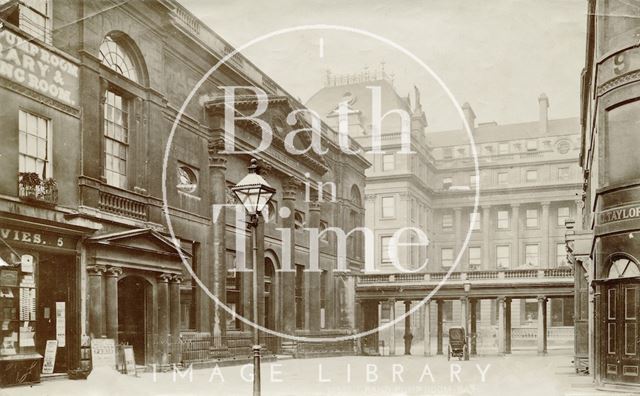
(472, 180)
(474, 221)
(561, 255)
(503, 148)
(446, 182)
(532, 176)
(116, 136)
(447, 221)
(384, 249)
(34, 19)
(34, 147)
(532, 255)
(502, 178)
(502, 257)
(446, 257)
(563, 174)
(503, 219)
(475, 258)
(563, 215)
(299, 296)
(388, 162)
(532, 218)
(532, 145)
(388, 207)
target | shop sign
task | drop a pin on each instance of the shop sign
(103, 352)
(619, 214)
(39, 238)
(32, 65)
(49, 361)
(619, 64)
(129, 360)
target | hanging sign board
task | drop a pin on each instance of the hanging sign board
(103, 352)
(49, 357)
(61, 330)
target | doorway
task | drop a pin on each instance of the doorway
(132, 315)
(620, 310)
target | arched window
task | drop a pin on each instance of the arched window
(623, 268)
(355, 196)
(113, 55)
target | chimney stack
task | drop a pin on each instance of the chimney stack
(543, 113)
(469, 115)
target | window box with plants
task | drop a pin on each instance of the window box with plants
(33, 187)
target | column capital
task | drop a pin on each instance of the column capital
(165, 278)
(96, 270)
(113, 272)
(177, 279)
(464, 298)
(515, 205)
(217, 162)
(215, 144)
(545, 203)
(314, 206)
(542, 298)
(501, 299)
(290, 188)
(486, 206)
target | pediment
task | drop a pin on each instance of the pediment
(143, 240)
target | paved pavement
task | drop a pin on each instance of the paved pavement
(516, 374)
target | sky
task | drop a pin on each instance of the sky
(497, 55)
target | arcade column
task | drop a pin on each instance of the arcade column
(96, 301)
(289, 194)
(542, 325)
(163, 319)
(473, 309)
(174, 317)
(314, 276)
(392, 328)
(408, 337)
(426, 314)
(507, 324)
(439, 324)
(112, 275)
(501, 326)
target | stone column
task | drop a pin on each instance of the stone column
(464, 319)
(289, 195)
(408, 337)
(542, 325)
(174, 318)
(473, 325)
(314, 276)
(501, 326)
(392, 328)
(216, 273)
(544, 233)
(426, 315)
(440, 304)
(112, 275)
(486, 233)
(163, 319)
(96, 301)
(507, 323)
(516, 261)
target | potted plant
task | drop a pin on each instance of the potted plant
(29, 182)
(50, 187)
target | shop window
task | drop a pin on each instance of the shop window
(34, 147)
(503, 219)
(531, 310)
(563, 215)
(388, 207)
(532, 218)
(446, 257)
(388, 162)
(299, 296)
(447, 311)
(502, 257)
(116, 136)
(532, 255)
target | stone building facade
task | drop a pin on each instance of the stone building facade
(99, 123)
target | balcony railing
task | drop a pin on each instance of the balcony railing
(503, 275)
(121, 205)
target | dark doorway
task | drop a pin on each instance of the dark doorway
(269, 295)
(132, 312)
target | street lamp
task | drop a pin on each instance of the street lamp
(254, 193)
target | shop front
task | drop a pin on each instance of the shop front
(39, 297)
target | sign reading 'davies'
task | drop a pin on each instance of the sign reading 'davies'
(619, 214)
(40, 238)
(33, 66)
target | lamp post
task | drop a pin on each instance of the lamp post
(254, 193)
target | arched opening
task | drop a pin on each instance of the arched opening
(134, 303)
(119, 53)
(269, 294)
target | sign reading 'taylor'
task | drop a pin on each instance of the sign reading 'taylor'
(618, 214)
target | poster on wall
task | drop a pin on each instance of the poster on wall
(49, 357)
(60, 323)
